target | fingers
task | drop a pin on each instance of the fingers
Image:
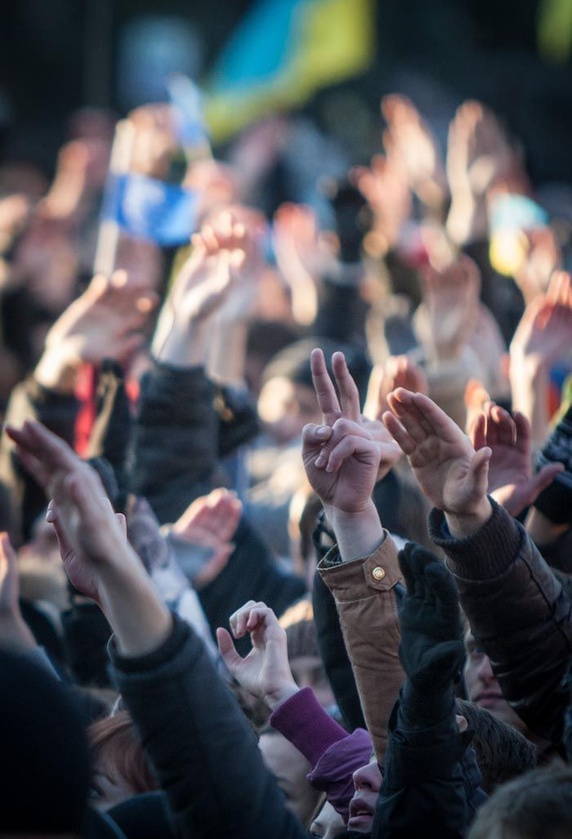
(480, 469)
(315, 436)
(252, 616)
(404, 440)
(478, 432)
(347, 388)
(323, 385)
(227, 650)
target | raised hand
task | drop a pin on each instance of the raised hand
(545, 330)
(451, 308)
(201, 287)
(341, 457)
(210, 522)
(107, 321)
(265, 671)
(398, 371)
(448, 469)
(511, 480)
(409, 137)
(95, 551)
(86, 526)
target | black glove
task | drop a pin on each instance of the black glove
(431, 649)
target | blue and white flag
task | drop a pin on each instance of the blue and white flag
(150, 209)
(187, 109)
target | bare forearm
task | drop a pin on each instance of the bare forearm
(140, 620)
(357, 534)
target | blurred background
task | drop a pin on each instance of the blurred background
(513, 55)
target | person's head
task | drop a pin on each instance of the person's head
(502, 752)
(290, 769)
(303, 653)
(367, 783)
(120, 768)
(327, 823)
(537, 805)
(287, 400)
(482, 687)
(45, 769)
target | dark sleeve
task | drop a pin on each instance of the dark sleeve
(58, 412)
(518, 612)
(423, 782)
(111, 433)
(203, 749)
(559, 553)
(250, 574)
(336, 297)
(334, 655)
(176, 439)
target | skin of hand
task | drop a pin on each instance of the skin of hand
(448, 469)
(475, 397)
(200, 289)
(541, 339)
(478, 154)
(211, 522)
(511, 480)
(14, 632)
(154, 141)
(451, 300)
(343, 459)
(94, 547)
(409, 137)
(265, 671)
(543, 334)
(398, 371)
(106, 321)
(384, 185)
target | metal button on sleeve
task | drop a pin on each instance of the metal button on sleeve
(378, 573)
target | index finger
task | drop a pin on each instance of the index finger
(49, 449)
(324, 387)
(349, 394)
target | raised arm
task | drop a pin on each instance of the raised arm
(188, 720)
(343, 460)
(517, 610)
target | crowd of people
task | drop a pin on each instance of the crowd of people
(287, 509)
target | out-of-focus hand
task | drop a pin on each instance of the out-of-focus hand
(544, 333)
(409, 137)
(211, 522)
(451, 304)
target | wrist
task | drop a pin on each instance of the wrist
(280, 695)
(358, 533)
(462, 525)
(57, 370)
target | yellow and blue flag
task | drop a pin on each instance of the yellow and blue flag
(282, 52)
(150, 209)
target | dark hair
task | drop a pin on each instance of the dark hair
(502, 752)
(537, 805)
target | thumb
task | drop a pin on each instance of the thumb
(227, 650)
(543, 479)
